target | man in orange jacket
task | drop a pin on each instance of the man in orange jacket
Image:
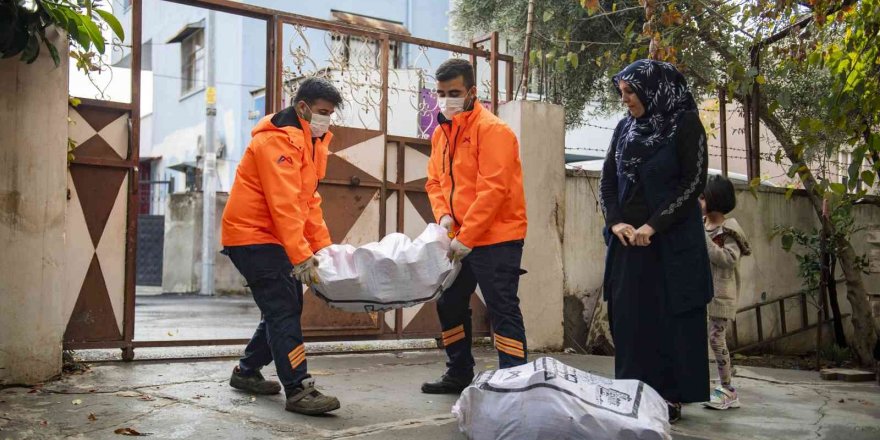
(272, 226)
(476, 190)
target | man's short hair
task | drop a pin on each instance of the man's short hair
(455, 67)
(719, 194)
(313, 89)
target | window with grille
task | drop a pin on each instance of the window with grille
(192, 63)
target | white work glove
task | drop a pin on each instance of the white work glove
(458, 251)
(447, 222)
(307, 271)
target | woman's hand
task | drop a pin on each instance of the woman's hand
(625, 232)
(642, 236)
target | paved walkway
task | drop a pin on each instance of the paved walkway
(380, 398)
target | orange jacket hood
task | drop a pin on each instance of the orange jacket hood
(274, 198)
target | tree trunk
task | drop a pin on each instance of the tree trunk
(864, 331)
(839, 336)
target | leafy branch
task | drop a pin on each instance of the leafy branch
(24, 25)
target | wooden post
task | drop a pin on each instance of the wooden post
(722, 123)
(747, 133)
(756, 115)
(493, 62)
(271, 41)
(278, 60)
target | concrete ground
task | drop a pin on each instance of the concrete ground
(175, 317)
(380, 398)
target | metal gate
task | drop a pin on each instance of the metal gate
(150, 248)
(101, 210)
(375, 180)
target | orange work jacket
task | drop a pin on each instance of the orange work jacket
(475, 175)
(274, 198)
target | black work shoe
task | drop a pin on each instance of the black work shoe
(253, 383)
(674, 412)
(447, 384)
(309, 401)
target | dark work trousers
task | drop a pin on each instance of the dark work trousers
(279, 296)
(496, 269)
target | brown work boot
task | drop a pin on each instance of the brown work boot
(253, 383)
(309, 401)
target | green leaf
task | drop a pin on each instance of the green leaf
(874, 142)
(787, 241)
(561, 64)
(868, 177)
(53, 51)
(858, 156)
(113, 22)
(789, 192)
(94, 33)
(77, 29)
(838, 188)
(573, 59)
(753, 186)
(31, 50)
(548, 15)
(760, 79)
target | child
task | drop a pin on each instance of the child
(727, 243)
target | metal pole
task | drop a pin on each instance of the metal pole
(209, 196)
(722, 122)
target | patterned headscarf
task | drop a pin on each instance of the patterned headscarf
(664, 93)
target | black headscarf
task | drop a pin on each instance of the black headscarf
(664, 93)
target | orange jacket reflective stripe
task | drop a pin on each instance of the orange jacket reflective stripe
(475, 175)
(274, 198)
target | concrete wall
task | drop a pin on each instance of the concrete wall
(182, 266)
(541, 133)
(33, 182)
(769, 273)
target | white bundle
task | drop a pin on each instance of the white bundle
(393, 273)
(547, 399)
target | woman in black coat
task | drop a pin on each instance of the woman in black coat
(657, 275)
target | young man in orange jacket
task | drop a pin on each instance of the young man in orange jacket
(476, 191)
(272, 226)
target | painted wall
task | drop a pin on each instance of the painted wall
(541, 133)
(769, 273)
(182, 266)
(33, 184)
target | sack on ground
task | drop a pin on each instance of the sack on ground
(393, 273)
(547, 399)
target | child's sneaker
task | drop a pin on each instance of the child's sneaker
(723, 398)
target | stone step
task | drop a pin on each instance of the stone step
(847, 375)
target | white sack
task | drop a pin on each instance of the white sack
(547, 399)
(393, 273)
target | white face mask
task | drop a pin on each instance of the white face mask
(319, 124)
(451, 106)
